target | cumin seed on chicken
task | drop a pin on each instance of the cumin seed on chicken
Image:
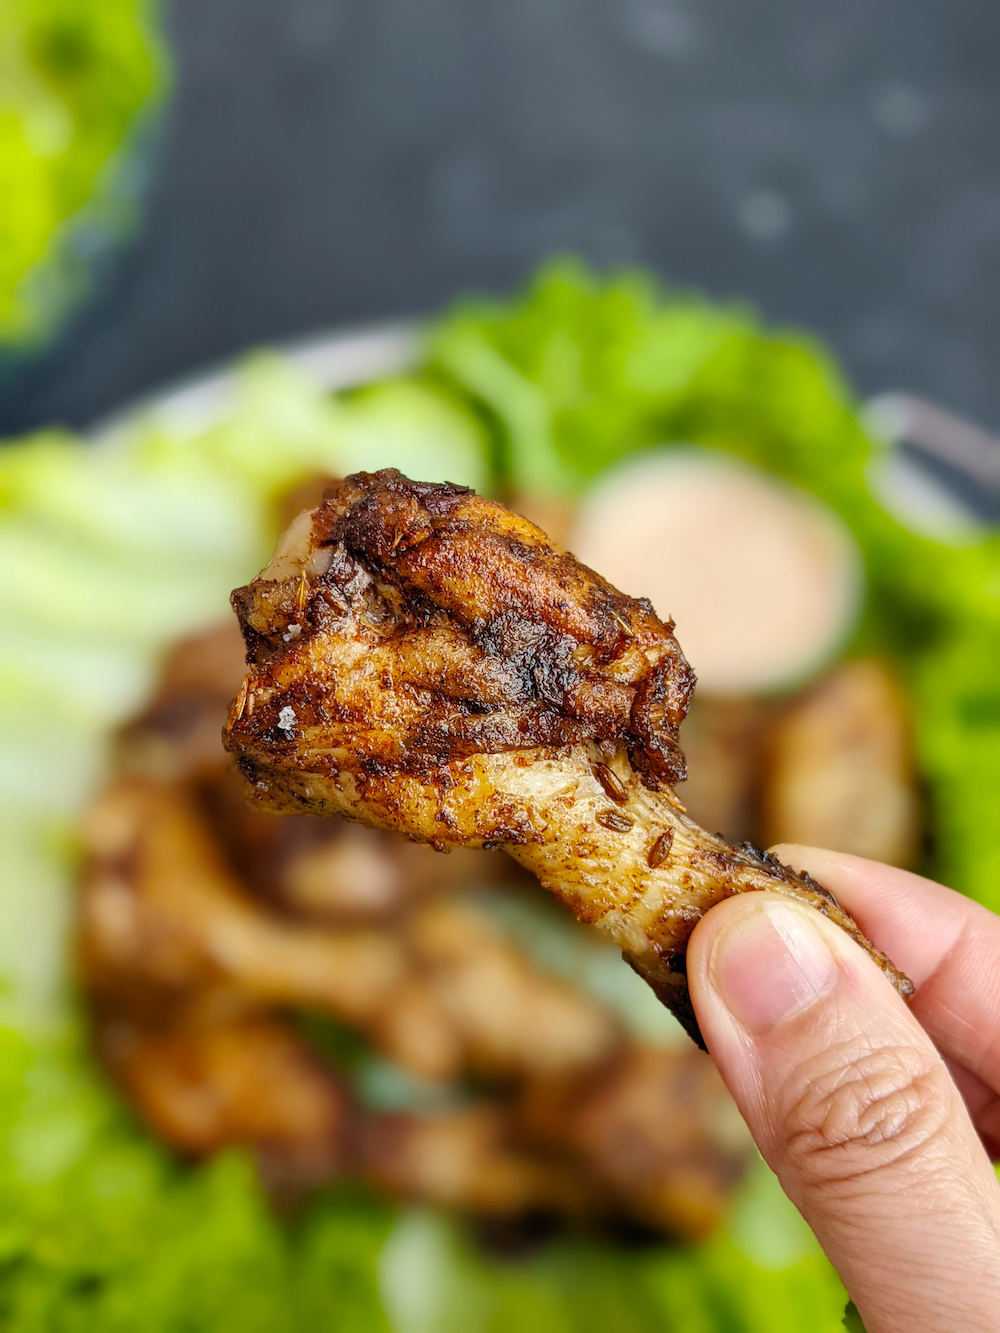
(422, 659)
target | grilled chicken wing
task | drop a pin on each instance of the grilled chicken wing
(422, 659)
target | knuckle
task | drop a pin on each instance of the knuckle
(850, 1114)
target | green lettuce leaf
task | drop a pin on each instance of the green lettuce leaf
(102, 1231)
(77, 78)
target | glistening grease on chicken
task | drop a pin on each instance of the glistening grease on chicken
(422, 659)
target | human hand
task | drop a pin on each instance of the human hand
(877, 1117)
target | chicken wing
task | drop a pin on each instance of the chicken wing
(422, 659)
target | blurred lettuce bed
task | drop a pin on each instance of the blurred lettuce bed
(108, 553)
(76, 77)
(102, 1233)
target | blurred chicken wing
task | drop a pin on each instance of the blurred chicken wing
(205, 1079)
(655, 1127)
(208, 1076)
(184, 973)
(839, 768)
(160, 915)
(722, 740)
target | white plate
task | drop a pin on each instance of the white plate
(337, 360)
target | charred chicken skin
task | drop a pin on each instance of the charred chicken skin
(422, 659)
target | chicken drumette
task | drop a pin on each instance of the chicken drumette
(422, 659)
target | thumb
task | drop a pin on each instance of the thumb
(853, 1108)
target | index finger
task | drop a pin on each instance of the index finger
(948, 945)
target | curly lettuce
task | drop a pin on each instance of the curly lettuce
(102, 1231)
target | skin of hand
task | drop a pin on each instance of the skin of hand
(878, 1117)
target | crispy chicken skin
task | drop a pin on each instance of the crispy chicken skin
(422, 659)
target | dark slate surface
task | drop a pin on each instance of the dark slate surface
(327, 161)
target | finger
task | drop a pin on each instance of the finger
(983, 1106)
(853, 1108)
(948, 945)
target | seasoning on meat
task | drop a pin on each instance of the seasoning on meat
(457, 679)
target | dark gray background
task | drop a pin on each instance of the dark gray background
(327, 161)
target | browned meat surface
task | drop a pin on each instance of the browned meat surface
(206, 1078)
(421, 659)
(676, 1170)
(490, 642)
(840, 769)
